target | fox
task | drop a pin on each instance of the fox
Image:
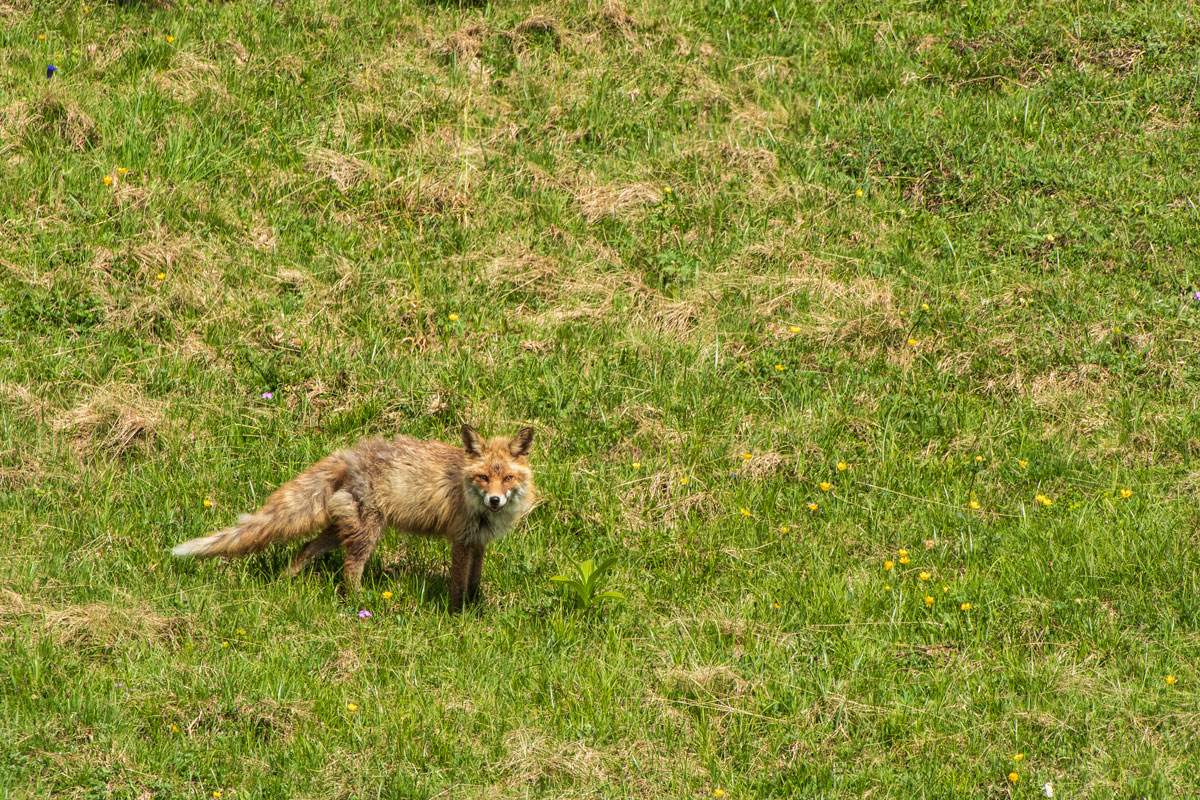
(469, 496)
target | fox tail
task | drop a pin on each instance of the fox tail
(293, 510)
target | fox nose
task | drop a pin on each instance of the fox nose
(494, 501)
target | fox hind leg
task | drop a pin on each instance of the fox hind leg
(359, 540)
(328, 540)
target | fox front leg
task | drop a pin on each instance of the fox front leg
(460, 575)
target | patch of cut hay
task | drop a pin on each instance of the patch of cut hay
(189, 77)
(762, 464)
(597, 201)
(660, 499)
(615, 17)
(95, 625)
(533, 758)
(343, 170)
(267, 718)
(53, 116)
(114, 419)
(537, 24)
(464, 44)
(711, 682)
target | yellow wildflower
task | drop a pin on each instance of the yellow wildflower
(912, 342)
(224, 644)
(775, 604)
(978, 459)
(454, 317)
(945, 589)
(216, 792)
(905, 559)
(1170, 679)
(887, 587)
(122, 170)
(386, 595)
(794, 329)
(975, 505)
(902, 552)
(108, 179)
(924, 306)
(858, 192)
(682, 481)
(718, 792)
(747, 456)
(174, 729)
(1126, 493)
(925, 576)
(813, 506)
(41, 37)
(170, 40)
(843, 466)
(161, 276)
(965, 607)
(1022, 463)
(207, 503)
(1012, 777)
(888, 564)
(826, 486)
(1018, 756)
(784, 529)
(928, 600)
(779, 367)
(240, 632)
(637, 465)
(745, 512)
(351, 707)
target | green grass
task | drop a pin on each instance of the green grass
(321, 185)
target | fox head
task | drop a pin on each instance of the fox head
(497, 472)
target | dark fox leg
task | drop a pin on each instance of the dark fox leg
(461, 558)
(318, 547)
(472, 594)
(360, 540)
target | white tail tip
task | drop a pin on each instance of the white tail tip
(193, 547)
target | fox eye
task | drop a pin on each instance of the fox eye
(481, 477)
(508, 478)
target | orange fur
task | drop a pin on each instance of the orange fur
(469, 496)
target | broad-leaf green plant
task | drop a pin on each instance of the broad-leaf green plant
(585, 583)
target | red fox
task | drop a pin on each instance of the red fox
(469, 496)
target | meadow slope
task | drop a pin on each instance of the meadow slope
(711, 251)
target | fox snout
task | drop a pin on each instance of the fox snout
(496, 501)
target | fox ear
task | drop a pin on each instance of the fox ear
(520, 443)
(472, 441)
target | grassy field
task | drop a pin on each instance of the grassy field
(710, 250)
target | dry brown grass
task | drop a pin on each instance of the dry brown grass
(267, 718)
(95, 625)
(51, 115)
(533, 758)
(343, 170)
(114, 419)
(189, 77)
(597, 201)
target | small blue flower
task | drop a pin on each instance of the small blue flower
(50, 70)
(1196, 297)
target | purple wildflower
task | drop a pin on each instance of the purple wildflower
(268, 396)
(1196, 296)
(364, 614)
(50, 70)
